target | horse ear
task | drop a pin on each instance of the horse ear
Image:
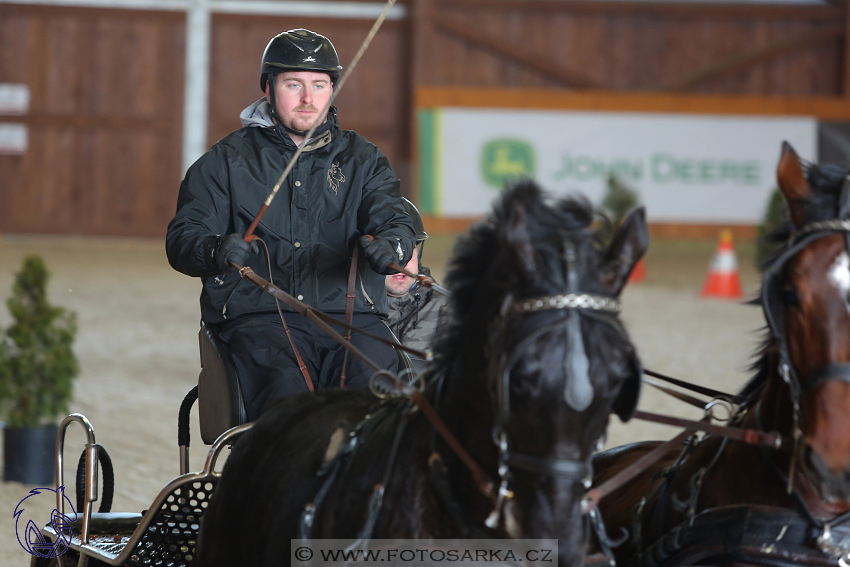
(626, 402)
(519, 239)
(793, 184)
(628, 246)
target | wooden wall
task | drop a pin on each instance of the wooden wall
(632, 46)
(104, 124)
(107, 85)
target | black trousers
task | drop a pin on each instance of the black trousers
(268, 369)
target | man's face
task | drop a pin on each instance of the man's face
(300, 96)
(399, 284)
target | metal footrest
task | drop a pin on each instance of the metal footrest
(109, 534)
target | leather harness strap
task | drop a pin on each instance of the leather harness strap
(594, 495)
(482, 480)
(349, 309)
(735, 399)
(301, 366)
(749, 436)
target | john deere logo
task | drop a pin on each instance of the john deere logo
(505, 159)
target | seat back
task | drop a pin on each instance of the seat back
(220, 402)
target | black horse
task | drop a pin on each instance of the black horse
(535, 360)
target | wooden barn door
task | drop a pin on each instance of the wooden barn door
(375, 101)
(104, 122)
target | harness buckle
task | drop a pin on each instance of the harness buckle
(828, 545)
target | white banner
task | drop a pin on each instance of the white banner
(685, 167)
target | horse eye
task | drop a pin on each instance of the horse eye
(792, 299)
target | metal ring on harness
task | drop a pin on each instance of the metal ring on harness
(383, 384)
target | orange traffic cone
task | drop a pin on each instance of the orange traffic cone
(638, 272)
(723, 279)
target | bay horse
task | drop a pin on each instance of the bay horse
(720, 501)
(525, 378)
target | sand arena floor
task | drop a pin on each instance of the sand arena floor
(138, 350)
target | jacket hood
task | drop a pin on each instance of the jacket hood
(257, 114)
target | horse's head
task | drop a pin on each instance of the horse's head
(538, 287)
(806, 297)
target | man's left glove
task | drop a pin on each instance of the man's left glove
(233, 250)
(381, 252)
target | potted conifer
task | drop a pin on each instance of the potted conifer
(37, 367)
(619, 199)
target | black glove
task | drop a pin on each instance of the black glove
(233, 250)
(381, 252)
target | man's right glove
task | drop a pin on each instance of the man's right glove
(233, 250)
(381, 252)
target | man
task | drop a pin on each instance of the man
(415, 310)
(340, 189)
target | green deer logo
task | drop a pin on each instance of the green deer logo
(506, 159)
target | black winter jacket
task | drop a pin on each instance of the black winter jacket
(341, 188)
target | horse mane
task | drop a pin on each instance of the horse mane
(478, 266)
(827, 182)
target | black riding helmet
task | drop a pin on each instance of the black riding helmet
(418, 226)
(297, 50)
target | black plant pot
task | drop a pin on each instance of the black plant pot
(29, 455)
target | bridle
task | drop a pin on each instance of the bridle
(771, 297)
(578, 390)
(773, 304)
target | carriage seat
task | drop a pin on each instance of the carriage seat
(220, 401)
